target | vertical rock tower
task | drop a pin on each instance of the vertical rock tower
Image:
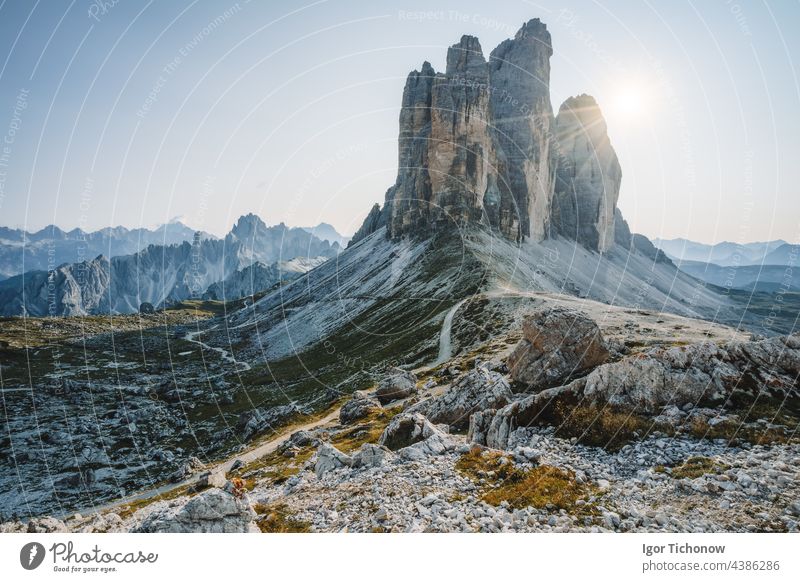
(479, 144)
(522, 117)
(588, 175)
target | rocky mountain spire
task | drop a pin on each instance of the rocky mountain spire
(522, 116)
(479, 144)
(588, 175)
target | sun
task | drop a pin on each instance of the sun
(630, 100)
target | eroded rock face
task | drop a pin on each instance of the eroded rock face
(358, 407)
(588, 175)
(407, 429)
(557, 343)
(330, 458)
(213, 511)
(698, 374)
(475, 391)
(397, 384)
(522, 117)
(475, 142)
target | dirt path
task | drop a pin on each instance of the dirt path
(445, 336)
(242, 366)
(248, 456)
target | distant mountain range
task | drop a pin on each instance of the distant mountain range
(725, 254)
(760, 266)
(161, 274)
(51, 246)
(327, 232)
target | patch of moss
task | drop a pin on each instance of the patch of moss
(695, 467)
(274, 466)
(128, 509)
(368, 430)
(599, 426)
(735, 432)
(277, 519)
(543, 487)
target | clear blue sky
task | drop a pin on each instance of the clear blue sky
(289, 109)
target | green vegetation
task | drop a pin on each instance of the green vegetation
(695, 467)
(597, 425)
(543, 487)
(368, 430)
(277, 519)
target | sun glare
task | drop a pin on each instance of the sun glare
(630, 101)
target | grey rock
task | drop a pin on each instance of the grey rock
(213, 511)
(359, 406)
(557, 343)
(474, 391)
(395, 385)
(370, 455)
(330, 458)
(588, 175)
(407, 429)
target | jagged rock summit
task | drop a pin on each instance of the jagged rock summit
(479, 144)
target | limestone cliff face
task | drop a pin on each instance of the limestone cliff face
(475, 142)
(519, 73)
(406, 207)
(588, 175)
(446, 155)
(479, 144)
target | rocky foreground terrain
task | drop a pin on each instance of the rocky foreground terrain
(559, 425)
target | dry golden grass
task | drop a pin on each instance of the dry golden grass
(543, 487)
(277, 519)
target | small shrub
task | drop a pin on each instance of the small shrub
(695, 467)
(598, 426)
(543, 487)
(276, 519)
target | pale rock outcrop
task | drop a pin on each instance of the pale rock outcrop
(330, 458)
(522, 119)
(475, 142)
(475, 391)
(698, 374)
(409, 428)
(359, 406)
(212, 479)
(406, 206)
(461, 156)
(557, 343)
(213, 511)
(396, 384)
(588, 175)
(371, 455)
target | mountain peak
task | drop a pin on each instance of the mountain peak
(480, 144)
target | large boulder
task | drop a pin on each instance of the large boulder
(405, 430)
(557, 343)
(371, 455)
(477, 390)
(397, 384)
(213, 511)
(330, 458)
(358, 407)
(700, 374)
(703, 373)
